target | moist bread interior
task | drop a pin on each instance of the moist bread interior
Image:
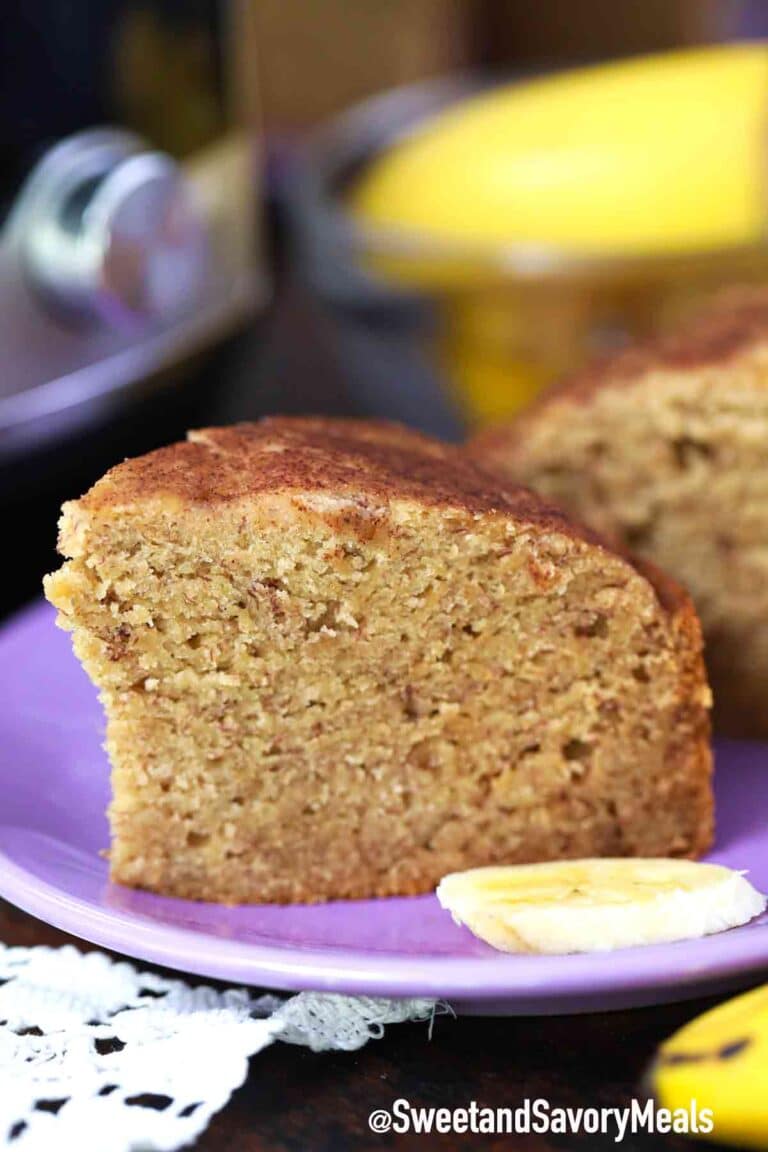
(338, 661)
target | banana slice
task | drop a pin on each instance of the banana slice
(598, 905)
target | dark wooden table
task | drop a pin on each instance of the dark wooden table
(296, 1101)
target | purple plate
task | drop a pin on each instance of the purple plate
(54, 787)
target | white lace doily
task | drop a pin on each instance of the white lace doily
(98, 1056)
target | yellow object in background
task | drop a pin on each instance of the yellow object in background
(499, 346)
(564, 216)
(720, 1060)
(655, 155)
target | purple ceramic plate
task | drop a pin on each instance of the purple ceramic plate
(54, 789)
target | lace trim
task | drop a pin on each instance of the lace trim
(100, 1056)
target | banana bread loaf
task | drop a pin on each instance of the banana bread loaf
(337, 660)
(665, 448)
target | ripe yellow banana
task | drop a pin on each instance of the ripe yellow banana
(597, 905)
(720, 1060)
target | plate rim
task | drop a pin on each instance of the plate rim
(353, 972)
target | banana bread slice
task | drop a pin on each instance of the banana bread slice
(665, 448)
(337, 660)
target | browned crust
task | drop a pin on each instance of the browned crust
(728, 327)
(370, 462)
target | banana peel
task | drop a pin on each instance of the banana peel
(720, 1060)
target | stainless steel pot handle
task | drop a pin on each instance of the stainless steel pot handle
(108, 231)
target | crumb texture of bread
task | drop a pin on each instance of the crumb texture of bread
(338, 660)
(663, 448)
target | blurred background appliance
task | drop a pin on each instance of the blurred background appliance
(475, 240)
(201, 217)
(129, 263)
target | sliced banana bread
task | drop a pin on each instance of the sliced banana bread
(665, 448)
(337, 660)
